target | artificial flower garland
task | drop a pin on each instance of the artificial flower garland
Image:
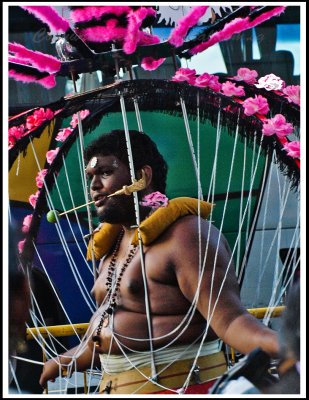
(257, 105)
(34, 121)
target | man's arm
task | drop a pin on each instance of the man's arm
(53, 367)
(219, 297)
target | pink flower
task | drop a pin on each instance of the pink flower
(184, 74)
(21, 245)
(38, 117)
(293, 149)
(15, 133)
(51, 154)
(208, 80)
(26, 223)
(292, 93)
(230, 89)
(258, 104)
(246, 75)
(40, 177)
(270, 82)
(83, 114)
(278, 126)
(63, 134)
(33, 198)
(49, 114)
(154, 200)
(12, 141)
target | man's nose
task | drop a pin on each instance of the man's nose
(96, 183)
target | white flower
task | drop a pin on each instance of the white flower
(270, 82)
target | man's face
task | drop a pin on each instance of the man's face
(106, 175)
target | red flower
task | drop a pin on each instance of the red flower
(15, 133)
(38, 117)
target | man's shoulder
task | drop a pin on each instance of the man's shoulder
(188, 225)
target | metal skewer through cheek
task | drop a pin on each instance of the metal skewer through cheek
(127, 190)
(136, 186)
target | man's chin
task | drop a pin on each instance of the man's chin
(108, 217)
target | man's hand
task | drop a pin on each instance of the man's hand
(51, 370)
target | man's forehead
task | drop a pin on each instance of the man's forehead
(99, 161)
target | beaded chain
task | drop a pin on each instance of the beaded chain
(113, 293)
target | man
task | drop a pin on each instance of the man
(155, 304)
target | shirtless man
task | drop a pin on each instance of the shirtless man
(171, 264)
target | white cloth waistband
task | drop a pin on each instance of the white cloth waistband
(113, 364)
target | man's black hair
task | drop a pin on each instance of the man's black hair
(144, 152)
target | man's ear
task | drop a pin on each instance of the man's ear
(148, 174)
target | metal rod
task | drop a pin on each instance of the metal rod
(76, 208)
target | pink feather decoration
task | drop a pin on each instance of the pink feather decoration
(150, 64)
(135, 21)
(100, 34)
(49, 16)
(93, 12)
(43, 62)
(48, 82)
(18, 60)
(146, 39)
(236, 26)
(184, 24)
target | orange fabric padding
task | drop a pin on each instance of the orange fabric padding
(151, 228)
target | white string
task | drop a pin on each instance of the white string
(138, 115)
(281, 211)
(223, 215)
(252, 169)
(247, 209)
(136, 206)
(73, 267)
(212, 183)
(72, 200)
(52, 286)
(241, 204)
(14, 376)
(261, 262)
(73, 234)
(191, 147)
(62, 236)
(197, 165)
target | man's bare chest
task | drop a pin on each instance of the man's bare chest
(129, 279)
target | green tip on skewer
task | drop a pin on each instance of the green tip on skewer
(51, 216)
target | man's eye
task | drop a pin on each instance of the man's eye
(106, 173)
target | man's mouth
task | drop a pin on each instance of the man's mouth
(99, 200)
